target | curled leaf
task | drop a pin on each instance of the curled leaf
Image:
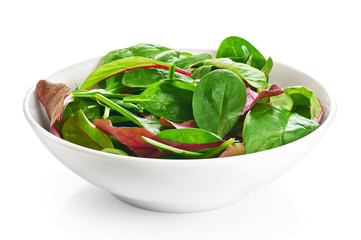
(253, 97)
(52, 96)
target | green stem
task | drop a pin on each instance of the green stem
(171, 73)
(172, 149)
(118, 108)
(219, 148)
(92, 95)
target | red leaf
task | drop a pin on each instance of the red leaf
(52, 96)
(253, 97)
(131, 137)
(186, 124)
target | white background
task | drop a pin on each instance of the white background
(318, 199)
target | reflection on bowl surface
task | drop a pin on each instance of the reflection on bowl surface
(178, 185)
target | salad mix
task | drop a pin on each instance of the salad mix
(153, 101)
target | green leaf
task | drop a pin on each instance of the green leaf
(142, 50)
(249, 74)
(240, 50)
(115, 151)
(267, 67)
(165, 147)
(185, 63)
(122, 65)
(305, 102)
(77, 129)
(189, 135)
(143, 78)
(218, 101)
(170, 99)
(268, 126)
(151, 125)
(200, 72)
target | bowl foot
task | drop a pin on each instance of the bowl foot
(176, 207)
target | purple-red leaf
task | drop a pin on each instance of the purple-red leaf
(131, 137)
(186, 124)
(52, 96)
(253, 97)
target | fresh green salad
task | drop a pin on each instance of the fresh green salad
(153, 101)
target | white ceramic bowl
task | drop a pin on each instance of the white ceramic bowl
(178, 185)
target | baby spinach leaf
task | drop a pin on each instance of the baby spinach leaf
(249, 74)
(142, 78)
(268, 126)
(151, 125)
(218, 101)
(77, 104)
(200, 72)
(122, 65)
(240, 50)
(189, 135)
(115, 151)
(283, 100)
(113, 84)
(77, 129)
(185, 63)
(170, 99)
(305, 102)
(142, 50)
(267, 67)
(169, 56)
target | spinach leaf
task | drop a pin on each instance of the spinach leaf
(268, 126)
(142, 78)
(77, 104)
(77, 129)
(218, 101)
(113, 84)
(240, 50)
(142, 50)
(189, 135)
(151, 125)
(305, 102)
(200, 72)
(115, 151)
(170, 99)
(185, 63)
(254, 77)
(122, 65)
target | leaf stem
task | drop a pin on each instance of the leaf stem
(118, 108)
(171, 73)
(92, 95)
(172, 149)
(219, 148)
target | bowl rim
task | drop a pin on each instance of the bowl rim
(105, 155)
